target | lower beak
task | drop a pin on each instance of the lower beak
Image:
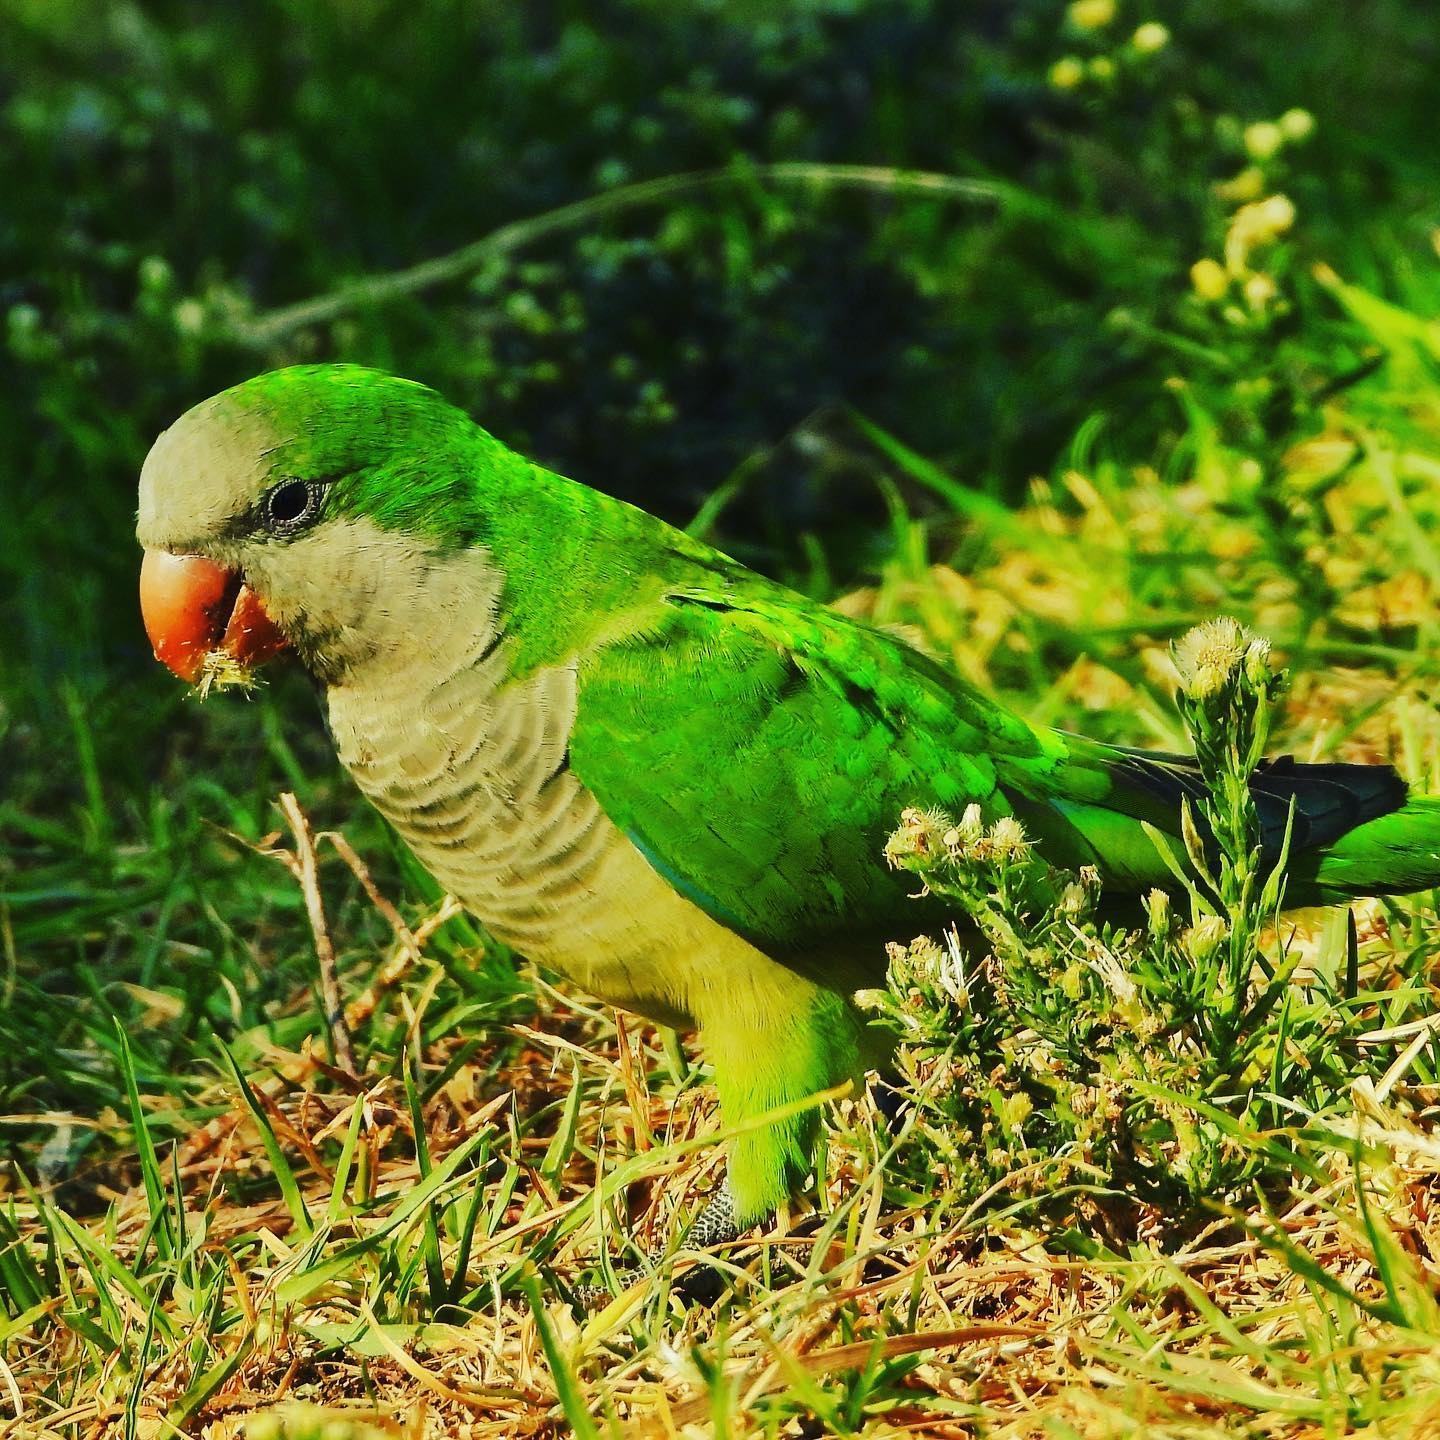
(192, 606)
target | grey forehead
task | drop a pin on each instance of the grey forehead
(204, 470)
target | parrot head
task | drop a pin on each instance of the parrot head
(288, 511)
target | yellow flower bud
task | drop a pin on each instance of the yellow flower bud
(1209, 280)
(1102, 68)
(1066, 74)
(1297, 125)
(1157, 912)
(1263, 139)
(1206, 936)
(1257, 663)
(1249, 184)
(1150, 37)
(1279, 213)
(1255, 225)
(1260, 290)
(1091, 14)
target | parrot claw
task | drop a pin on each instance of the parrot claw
(705, 1283)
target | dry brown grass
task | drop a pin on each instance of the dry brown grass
(962, 1327)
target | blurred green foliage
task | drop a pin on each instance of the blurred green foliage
(169, 168)
(172, 173)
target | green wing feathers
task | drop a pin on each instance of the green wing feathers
(1393, 854)
(759, 750)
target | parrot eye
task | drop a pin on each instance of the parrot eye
(291, 505)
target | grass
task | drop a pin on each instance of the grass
(389, 1247)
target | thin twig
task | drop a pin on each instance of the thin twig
(361, 871)
(411, 942)
(340, 1051)
(399, 965)
(270, 326)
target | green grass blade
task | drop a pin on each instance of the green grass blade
(338, 1204)
(150, 1174)
(280, 1167)
(434, 1269)
(572, 1399)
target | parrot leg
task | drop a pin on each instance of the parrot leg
(704, 1285)
(715, 1224)
(772, 1049)
(793, 1040)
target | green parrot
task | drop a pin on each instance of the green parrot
(636, 761)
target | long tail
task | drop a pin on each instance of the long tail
(1354, 829)
(1394, 854)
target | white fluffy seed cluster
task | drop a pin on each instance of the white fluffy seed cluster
(970, 840)
(1208, 657)
(222, 671)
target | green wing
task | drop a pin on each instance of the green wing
(759, 749)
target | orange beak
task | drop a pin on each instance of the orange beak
(192, 606)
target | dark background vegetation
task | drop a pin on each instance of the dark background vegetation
(171, 172)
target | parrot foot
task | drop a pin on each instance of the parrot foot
(704, 1284)
(716, 1223)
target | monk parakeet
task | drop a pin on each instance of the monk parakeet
(635, 760)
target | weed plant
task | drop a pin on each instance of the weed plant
(1133, 1073)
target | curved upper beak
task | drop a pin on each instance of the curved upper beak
(192, 606)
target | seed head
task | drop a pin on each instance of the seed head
(1208, 656)
(1007, 837)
